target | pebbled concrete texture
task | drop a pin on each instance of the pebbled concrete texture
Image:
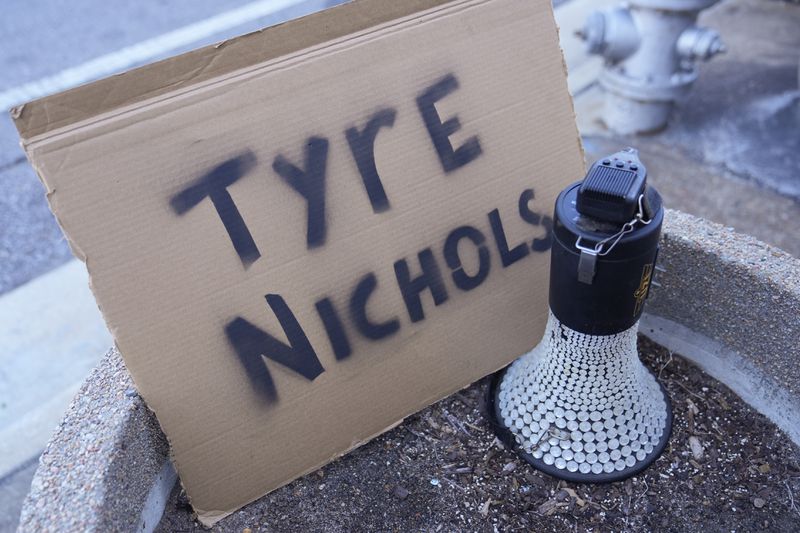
(100, 464)
(729, 290)
(733, 289)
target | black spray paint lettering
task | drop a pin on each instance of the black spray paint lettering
(507, 256)
(440, 132)
(370, 329)
(253, 344)
(309, 181)
(214, 186)
(334, 329)
(362, 145)
(429, 279)
(540, 244)
(462, 280)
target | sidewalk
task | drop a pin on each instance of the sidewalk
(731, 152)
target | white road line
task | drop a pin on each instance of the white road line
(141, 52)
(27, 436)
(51, 335)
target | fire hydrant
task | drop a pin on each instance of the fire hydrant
(651, 48)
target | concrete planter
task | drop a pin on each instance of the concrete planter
(727, 302)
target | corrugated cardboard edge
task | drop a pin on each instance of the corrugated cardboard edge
(571, 100)
(81, 103)
(53, 113)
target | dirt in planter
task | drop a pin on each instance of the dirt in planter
(726, 468)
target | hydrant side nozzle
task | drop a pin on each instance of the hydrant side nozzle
(698, 43)
(611, 33)
(593, 33)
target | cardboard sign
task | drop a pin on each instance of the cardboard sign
(303, 235)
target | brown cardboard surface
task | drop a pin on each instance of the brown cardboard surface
(212, 332)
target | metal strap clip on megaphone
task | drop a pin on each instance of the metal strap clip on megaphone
(587, 263)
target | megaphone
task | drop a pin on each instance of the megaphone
(581, 406)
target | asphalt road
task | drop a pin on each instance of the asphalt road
(42, 38)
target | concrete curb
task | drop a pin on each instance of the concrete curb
(727, 301)
(102, 462)
(731, 304)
